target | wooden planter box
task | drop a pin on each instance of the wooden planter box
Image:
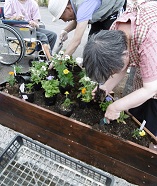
(125, 159)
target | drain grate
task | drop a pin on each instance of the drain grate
(28, 163)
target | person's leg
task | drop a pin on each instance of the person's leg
(148, 112)
(45, 44)
(51, 36)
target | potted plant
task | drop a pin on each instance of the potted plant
(27, 92)
(19, 76)
(85, 93)
(39, 72)
(65, 76)
(11, 85)
(67, 106)
(51, 88)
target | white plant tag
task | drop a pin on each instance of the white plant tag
(22, 87)
(25, 97)
(142, 125)
(14, 71)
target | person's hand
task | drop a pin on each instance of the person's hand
(19, 18)
(63, 35)
(102, 87)
(33, 24)
(111, 113)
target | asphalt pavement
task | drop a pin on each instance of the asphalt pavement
(54, 26)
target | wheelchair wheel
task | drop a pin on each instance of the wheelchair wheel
(30, 47)
(12, 46)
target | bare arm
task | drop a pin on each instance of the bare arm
(71, 26)
(132, 100)
(76, 40)
(113, 81)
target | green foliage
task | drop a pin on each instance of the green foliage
(104, 104)
(17, 68)
(61, 65)
(11, 79)
(137, 133)
(86, 89)
(122, 117)
(39, 71)
(67, 102)
(51, 87)
(29, 87)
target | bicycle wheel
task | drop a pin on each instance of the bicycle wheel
(12, 46)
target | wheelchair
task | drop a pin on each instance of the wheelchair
(18, 42)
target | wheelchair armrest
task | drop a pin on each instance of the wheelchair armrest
(14, 22)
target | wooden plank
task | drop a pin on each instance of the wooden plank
(80, 152)
(80, 141)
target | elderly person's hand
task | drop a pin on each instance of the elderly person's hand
(112, 113)
(63, 35)
(33, 24)
(102, 87)
(18, 18)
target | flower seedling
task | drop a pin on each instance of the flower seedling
(51, 86)
(67, 102)
(39, 71)
(86, 89)
(65, 76)
(104, 104)
(11, 79)
(122, 117)
(139, 132)
(29, 87)
(17, 69)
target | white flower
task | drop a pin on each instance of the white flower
(61, 52)
(43, 68)
(66, 57)
(86, 78)
(79, 61)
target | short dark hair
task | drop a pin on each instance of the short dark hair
(103, 54)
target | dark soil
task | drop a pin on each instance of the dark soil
(91, 114)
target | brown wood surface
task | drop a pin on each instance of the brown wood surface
(124, 159)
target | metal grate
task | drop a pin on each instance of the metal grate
(28, 163)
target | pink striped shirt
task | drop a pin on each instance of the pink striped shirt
(143, 50)
(29, 9)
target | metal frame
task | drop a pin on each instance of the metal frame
(26, 162)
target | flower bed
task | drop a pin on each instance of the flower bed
(109, 147)
(123, 158)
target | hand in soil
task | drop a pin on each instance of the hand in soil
(99, 95)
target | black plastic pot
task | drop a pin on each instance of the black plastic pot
(23, 78)
(50, 100)
(30, 97)
(64, 89)
(66, 111)
(37, 87)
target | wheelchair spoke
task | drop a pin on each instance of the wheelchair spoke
(12, 48)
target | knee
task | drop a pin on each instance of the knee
(54, 36)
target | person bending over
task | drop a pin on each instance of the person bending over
(99, 13)
(131, 41)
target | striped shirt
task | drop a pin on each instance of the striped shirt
(143, 49)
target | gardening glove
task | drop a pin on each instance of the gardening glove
(63, 35)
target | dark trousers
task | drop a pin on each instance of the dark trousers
(105, 25)
(148, 112)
